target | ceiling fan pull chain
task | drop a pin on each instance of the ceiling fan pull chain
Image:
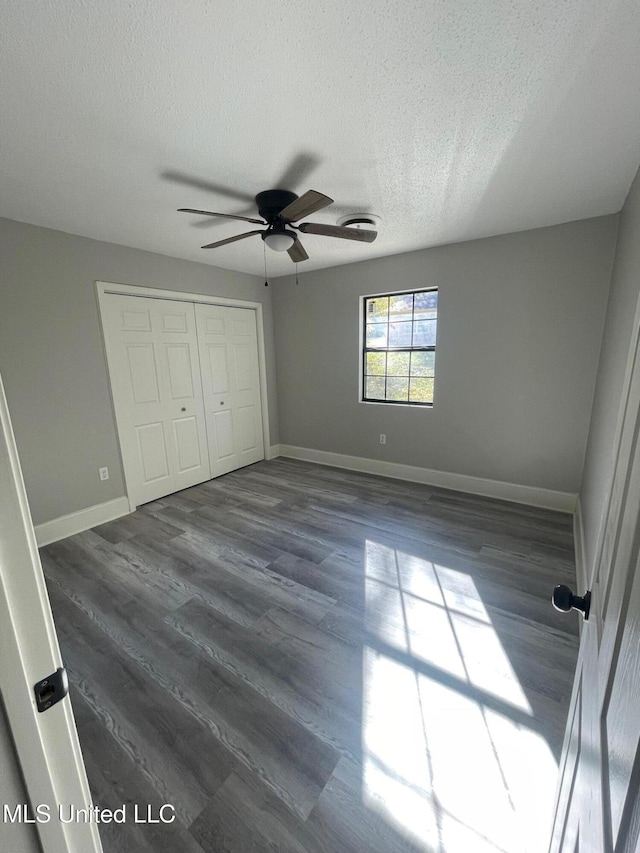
(264, 250)
(296, 273)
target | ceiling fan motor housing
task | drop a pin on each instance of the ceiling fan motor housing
(271, 202)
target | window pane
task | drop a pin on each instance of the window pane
(374, 387)
(398, 328)
(397, 388)
(400, 334)
(377, 309)
(422, 363)
(376, 363)
(377, 334)
(401, 307)
(425, 305)
(424, 333)
(421, 390)
(398, 363)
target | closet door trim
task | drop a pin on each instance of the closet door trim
(104, 287)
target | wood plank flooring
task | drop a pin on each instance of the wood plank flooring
(306, 660)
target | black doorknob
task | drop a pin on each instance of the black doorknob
(564, 600)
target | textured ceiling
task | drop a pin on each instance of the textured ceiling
(450, 120)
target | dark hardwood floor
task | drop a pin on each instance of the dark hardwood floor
(299, 658)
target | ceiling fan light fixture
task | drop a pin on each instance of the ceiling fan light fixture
(279, 241)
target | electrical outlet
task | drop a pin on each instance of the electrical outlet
(383, 438)
(104, 473)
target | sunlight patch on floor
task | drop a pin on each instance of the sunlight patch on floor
(449, 757)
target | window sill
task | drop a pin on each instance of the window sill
(397, 404)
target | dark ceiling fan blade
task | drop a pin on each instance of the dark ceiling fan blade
(361, 234)
(297, 171)
(231, 239)
(306, 204)
(297, 252)
(226, 215)
(207, 186)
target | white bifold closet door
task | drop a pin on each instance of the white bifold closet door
(155, 380)
(228, 344)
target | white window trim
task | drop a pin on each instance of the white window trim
(428, 407)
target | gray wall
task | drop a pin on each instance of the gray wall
(52, 360)
(16, 837)
(520, 325)
(623, 298)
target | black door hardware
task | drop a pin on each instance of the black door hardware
(564, 600)
(51, 689)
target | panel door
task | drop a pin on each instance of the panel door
(598, 809)
(46, 744)
(157, 391)
(228, 344)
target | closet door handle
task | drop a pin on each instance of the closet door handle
(564, 600)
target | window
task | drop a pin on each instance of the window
(398, 359)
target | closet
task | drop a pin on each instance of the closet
(186, 390)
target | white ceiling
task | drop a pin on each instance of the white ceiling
(450, 120)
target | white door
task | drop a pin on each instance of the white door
(227, 338)
(598, 809)
(155, 380)
(47, 742)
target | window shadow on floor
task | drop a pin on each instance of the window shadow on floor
(463, 704)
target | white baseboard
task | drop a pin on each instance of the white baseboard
(582, 579)
(530, 495)
(83, 519)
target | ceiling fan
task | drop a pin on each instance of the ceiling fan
(279, 209)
